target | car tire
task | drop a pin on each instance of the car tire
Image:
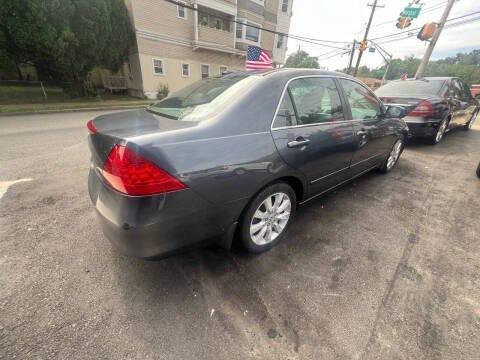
(393, 156)
(470, 122)
(440, 133)
(478, 170)
(276, 215)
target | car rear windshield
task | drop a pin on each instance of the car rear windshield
(204, 98)
(411, 88)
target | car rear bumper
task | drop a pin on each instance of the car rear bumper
(421, 127)
(155, 226)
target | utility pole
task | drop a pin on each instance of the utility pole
(365, 37)
(384, 78)
(387, 57)
(423, 65)
(352, 54)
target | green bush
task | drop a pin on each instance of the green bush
(162, 92)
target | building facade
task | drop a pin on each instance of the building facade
(176, 46)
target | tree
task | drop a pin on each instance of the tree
(464, 66)
(66, 39)
(301, 59)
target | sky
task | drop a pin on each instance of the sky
(344, 20)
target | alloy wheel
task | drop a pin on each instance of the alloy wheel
(474, 118)
(441, 131)
(270, 218)
(394, 154)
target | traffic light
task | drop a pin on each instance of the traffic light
(363, 45)
(427, 32)
(403, 22)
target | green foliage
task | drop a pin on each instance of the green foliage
(65, 39)
(162, 91)
(301, 59)
(464, 66)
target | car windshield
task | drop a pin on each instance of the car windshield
(411, 88)
(204, 98)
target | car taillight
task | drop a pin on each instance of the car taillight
(424, 109)
(91, 127)
(130, 173)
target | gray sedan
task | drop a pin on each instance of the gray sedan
(230, 158)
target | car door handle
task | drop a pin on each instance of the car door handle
(361, 133)
(301, 142)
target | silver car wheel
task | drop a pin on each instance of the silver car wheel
(441, 131)
(270, 218)
(394, 154)
(474, 118)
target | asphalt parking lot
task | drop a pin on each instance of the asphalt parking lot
(387, 267)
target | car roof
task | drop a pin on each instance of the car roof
(293, 72)
(423, 79)
(439, 78)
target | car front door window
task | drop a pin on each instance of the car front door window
(317, 100)
(363, 104)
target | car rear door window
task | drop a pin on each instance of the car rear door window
(316, 100)
(457, 89)
(467, 94)
(363, 104)
(286, 113)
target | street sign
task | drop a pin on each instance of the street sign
(371, 49)
(411, 12)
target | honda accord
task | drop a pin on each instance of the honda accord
(232, 157)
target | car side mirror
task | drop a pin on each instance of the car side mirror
(395, 112)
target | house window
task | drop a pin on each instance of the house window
(284, 5)
(223, 69)
(205, 70)
(240, 28)
(203, 19)
(185, 70)
(158, 67)
(252, 33)
(219, 24)
(181, 11)
(213, 22)
(280, 41)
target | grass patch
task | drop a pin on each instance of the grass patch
(31, 93)
(74, 105)
(29, 98)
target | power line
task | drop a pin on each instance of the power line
(338, 53)
(418, 28)
(428, 9)
(448, 26)
(318, 42)
(365, 37)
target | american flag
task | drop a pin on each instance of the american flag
(404, 76)
(258, 59)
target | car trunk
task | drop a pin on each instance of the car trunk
(405, 101)
(126, 127)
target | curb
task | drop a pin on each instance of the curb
(126, 107)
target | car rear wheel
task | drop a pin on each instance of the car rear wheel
(478, 170)
(438, 136)
(267, 217)
(470, 123)
(393, 157)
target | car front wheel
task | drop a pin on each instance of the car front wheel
(440, 133)
(393, 157)
(470, 123)
(267, 217)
